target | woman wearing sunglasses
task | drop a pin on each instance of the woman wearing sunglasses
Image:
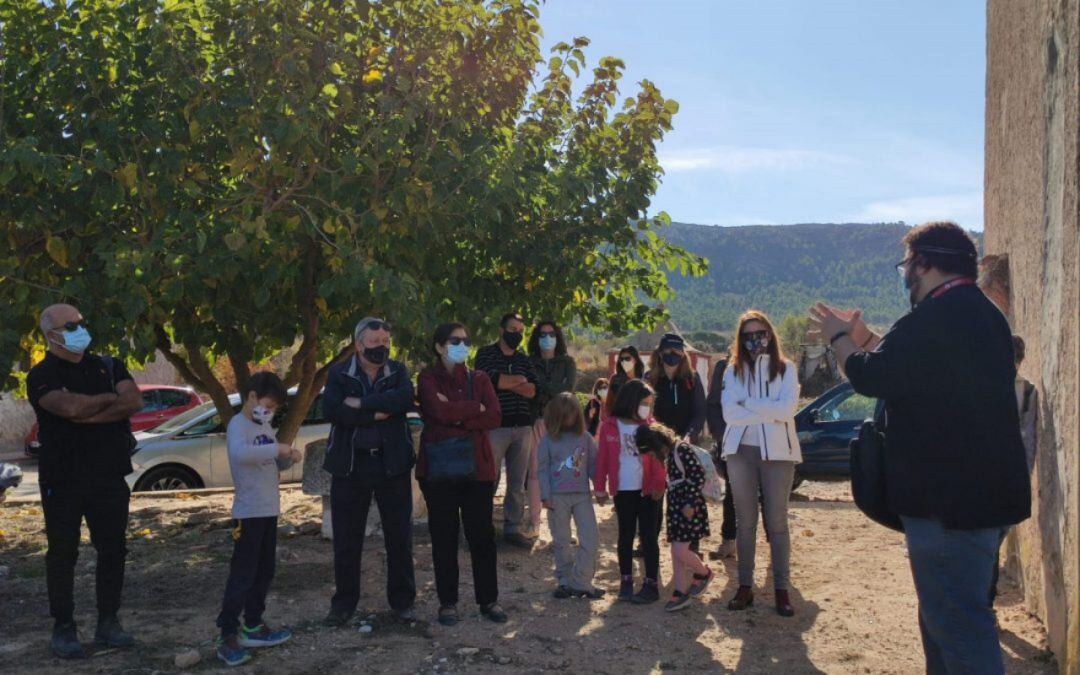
(459, 405)
(760, 444)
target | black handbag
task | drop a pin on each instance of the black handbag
(453, 459)
(868, 483)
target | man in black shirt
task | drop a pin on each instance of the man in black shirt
(83, 403)
(955, 465)
(515, 384)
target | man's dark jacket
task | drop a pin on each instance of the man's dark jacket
(953, 450)
(391, 393)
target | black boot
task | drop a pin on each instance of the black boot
(65, 641)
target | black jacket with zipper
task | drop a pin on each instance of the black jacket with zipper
(391, 393)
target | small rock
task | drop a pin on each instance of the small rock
(365, 628)
(504, 660)
(310, 527)
(198, 518)
(468, 651)
(187, 658)
(5, 571)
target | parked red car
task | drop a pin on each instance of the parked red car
(160, 403)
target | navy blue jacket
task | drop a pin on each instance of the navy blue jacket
(391, 393)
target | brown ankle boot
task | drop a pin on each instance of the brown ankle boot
(783, 604)
(744, 598)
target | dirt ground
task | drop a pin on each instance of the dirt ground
(855, 602)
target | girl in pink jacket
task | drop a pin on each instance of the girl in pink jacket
(637, 483)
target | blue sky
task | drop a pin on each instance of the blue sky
(796, 111)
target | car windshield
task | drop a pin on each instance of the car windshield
(183, 419)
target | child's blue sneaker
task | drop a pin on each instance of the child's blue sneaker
(262, 636)
(231, 653)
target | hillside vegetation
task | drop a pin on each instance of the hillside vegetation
(782, 270)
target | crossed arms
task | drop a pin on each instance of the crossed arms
(95, 408)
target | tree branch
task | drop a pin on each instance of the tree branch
(164, 345)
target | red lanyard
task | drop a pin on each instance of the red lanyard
(955, 283)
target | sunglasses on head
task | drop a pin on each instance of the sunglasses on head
(756, 335)
(378, 324)
(458, 341)
(71, 326)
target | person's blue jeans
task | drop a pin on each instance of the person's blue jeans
(953, 571)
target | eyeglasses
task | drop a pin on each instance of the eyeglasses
(71, 326)
(547, 333)
(756, 335)
(901, 267)
(627, 359)
(458, 341)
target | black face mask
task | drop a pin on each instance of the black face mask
(671, 359)
(377, 355)
(512, 340)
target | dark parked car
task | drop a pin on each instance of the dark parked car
(826, 428)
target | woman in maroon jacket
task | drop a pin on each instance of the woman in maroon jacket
(451, 409)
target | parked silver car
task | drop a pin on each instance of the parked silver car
(189, 450)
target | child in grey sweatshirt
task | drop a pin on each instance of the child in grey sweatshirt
(255, 458)
(566, 460)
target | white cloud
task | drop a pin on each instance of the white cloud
(966, 208)
(733, 159)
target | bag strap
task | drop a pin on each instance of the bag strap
(678, 462)
(111, 370)
(469, 384)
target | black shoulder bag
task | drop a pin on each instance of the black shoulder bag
(868, 482)
(453, 459)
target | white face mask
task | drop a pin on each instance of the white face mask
(643, 412)
(627, 366)
(261, 415)
(602, 393)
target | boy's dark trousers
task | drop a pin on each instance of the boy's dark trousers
(250, 574)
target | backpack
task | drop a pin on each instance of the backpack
(713, 489)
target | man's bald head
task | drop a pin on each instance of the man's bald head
(54, 316)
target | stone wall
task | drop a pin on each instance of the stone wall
(1033, 217)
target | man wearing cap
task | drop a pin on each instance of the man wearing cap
(955, 466)
(370, 453)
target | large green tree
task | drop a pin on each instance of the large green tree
(227, 179)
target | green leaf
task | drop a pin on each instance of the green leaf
(56, 249)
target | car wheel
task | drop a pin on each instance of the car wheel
(797, 481)
(167, 478)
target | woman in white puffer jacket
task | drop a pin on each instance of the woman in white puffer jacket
(761, 446)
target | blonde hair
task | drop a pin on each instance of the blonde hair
(558, 410)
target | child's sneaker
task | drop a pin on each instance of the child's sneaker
(262, 636)
(626, 589)
(590, 594)
(701, 582)
(648, 594)
(231, 653)
(678, 601)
